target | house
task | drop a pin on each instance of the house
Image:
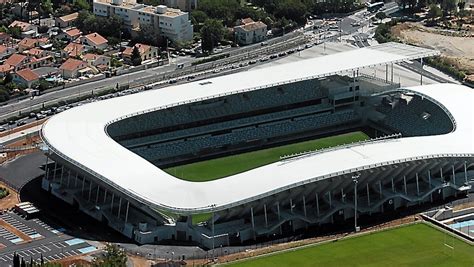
(27, 30)
(70, 34)
(5, 38)
(146, 52)
(26, 77)
(28, 43)
(98, 61)
(94, 40)
(5, 69)
(73, 50)
(67, 20)
(249, 31)
(73, 68)
(17, 61)
(37, 53)
(4, 51)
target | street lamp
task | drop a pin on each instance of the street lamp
(355, 180)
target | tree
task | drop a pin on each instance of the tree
(461, 5)
(113, 256)
(434, 12)
(136, 58)
(448, 6)
(380, 16)
(81, 5)
(15, 32)
(212, 33)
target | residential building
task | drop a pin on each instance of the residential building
(37, 53)
(146, 52)
(171, 23)
(67, 20)
(72, 50)
(185, 5)
(5, 69)
(28, 43)
(250, 32)
(94, 40)
(26, 77)
(73, 68)
(70, 34)
(17, 61)
(4, 51)
(26, 28)
(101, 62)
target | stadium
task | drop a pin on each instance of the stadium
(123, 160)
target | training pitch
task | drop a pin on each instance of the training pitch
(225, 166)
(414, 245)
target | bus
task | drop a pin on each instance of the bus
(374, 7)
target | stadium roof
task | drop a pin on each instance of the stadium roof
(79, 136)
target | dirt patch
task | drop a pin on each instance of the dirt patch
(459, 49)
(29, 140)
(9, 201)
(140, 262)
(74, 261)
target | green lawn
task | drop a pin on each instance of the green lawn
(415, 245)
(225, 166)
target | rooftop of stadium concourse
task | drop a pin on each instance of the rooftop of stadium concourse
(78, 136)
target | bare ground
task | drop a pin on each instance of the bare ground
(460, 49)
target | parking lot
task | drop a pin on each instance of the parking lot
(33, 238)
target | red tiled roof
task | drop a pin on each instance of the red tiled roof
(74, 49)
(3, 49)
(5, 68)
(28, 42)
(73, 32)
(35, 52)
(96, 38)
(71, 64)
(69, 17)
(15, 59)
(247, 21)
(142, 48)
(21, 24)
(27, 75)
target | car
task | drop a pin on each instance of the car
(191, 77)
(273, 56)
(172, 81)
(355, 24)
(216, 70)
(11, 122)
(2, 129)
(263, 43)
(251, 62)
(300, 48)
(40, 116)
(282, 54)
(263, 59)
(32, 115)
(308, 46)
(291, 51)
(20, 123)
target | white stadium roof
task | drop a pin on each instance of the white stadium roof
(79, 136)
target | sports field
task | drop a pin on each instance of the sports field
(415, 245)
(225, 166)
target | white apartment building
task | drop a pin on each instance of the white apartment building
(171, 23)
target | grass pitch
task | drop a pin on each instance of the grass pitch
(225, 166)
(414, 245)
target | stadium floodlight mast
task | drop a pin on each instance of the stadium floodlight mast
(355, 179)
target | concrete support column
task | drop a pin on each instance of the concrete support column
(291, 205)
(83, 183)
(380, 189)
(126, 212)
(75, 182)
(97, 196)
(317, 204)
(386, 73)
(368, 195)
(112, 204)
(441, 174)
(304, 206)
(454, 176)
(429, 178)
(54, 170)
(278, 210)
(119, 207)
(61, 178)
(68, 178)
(105, 195)
(417, 185)
(405, 184)
(393, 186)
(46, 169)
(342, 195)
(330, 202)
(465, 171)
(90, 190)
(265, 214)
(391, 79)
(253, 222)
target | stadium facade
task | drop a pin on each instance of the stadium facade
(106, 158)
